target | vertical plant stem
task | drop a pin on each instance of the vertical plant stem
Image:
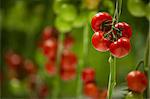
(147, 63)
(112, 76)
(56, 88)
(112, 59)
(82, 62)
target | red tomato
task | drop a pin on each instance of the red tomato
(137, 81)
(69, 60)
(120, 48)
(100, 20)
(30, 67)
(103, 94)
(125, 29)
(49, 32)
(88, 75)
(99, 42)
(43, 91)
(50, 48)
(91, 90)
(13, 59)
(68, 74)
(50, 68)
(68, 42)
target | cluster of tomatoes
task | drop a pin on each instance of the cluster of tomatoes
(107, 37)
(18, 66)
(68, 61)
(90, 89)
(137, 83)
(20, 70)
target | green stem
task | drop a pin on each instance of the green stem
(56, 88)
(112, 76)
(82, 62)
(147, 63)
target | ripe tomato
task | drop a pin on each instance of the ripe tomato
(43, 91)
(67, 74)
(49, 32)
(91, 90)
(137, 81)
(88, 75)
(120, 48)
(68, 12)
(125, 29)
(13, 59)
(99, 20)
(69, 60)
(99, 42)
(30, 67)
(68, 42)
(50, 48)
(50, 68)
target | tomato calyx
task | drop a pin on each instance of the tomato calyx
(141, 63)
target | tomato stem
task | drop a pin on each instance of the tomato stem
(139, 64)
(56, 88)
(112, 59)
(82, 62)
(147, 63)
(112, 76)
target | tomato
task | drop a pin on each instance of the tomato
(120, 48)
(90, 89)
(80, 20)
(13, 59)
(136, 8)
(43, 91)
(88, 75)
(103, 94)
(50, 68)
(50, 48)
(30, 67)
(99, 20)
(133, 95)
(62, 26)
(99, 42)
(68, 42)
(68, 74)
(69, 60)
(49, 32)
(57, 6)
(137, 81)
(125, 29)
(68, 12)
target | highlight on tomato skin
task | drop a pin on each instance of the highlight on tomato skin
(99, 20)
(125, 29)
(99, 42)
(120, 48)
(137, 81)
